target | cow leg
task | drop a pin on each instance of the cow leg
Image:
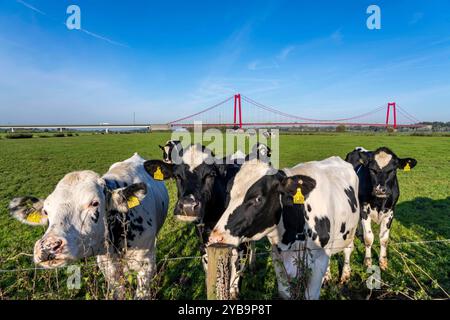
(318, 262)
(384, 238)
(112, 272)
(346, 270)
(144, 277)
(252, 256)
(368, 237)
(327, 277)
(143, 262)
(237, 267)
(281, 272)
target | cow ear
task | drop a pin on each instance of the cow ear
(129, 197)
(159, 170)
(291, 185)
(28, 210)
(407, 163)
(161, 147)
(261, 152)
(357, 158)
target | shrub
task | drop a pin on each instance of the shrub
(340, 128)
(19, 136)
(59, 135)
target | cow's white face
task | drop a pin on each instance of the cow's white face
(77, 212)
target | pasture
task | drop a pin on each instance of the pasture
(416, 270)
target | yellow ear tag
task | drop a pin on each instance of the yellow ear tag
(133, 202)
(34, 217)
(158, 175)
(407, 167)
(299, 198)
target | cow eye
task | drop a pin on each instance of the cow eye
(258, 199)
(94, 203)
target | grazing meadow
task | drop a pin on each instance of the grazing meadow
(419, 256)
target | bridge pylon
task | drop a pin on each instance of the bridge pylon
(394, 112)
(237, 107)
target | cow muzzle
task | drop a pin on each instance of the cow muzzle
(216, 237)
(50, 252)
(380, 192)
(188, 209)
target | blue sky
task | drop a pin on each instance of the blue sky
(165, 59)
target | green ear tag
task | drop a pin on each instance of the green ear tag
(299, 198)
(158, 175)
(133, 202)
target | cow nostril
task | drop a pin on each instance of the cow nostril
(57, 245)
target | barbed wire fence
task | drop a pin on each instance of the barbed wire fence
(408, 264)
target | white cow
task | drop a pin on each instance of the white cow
(314, 202)
(113, 217)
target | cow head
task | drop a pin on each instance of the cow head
(195, 176)
(76, 212)
(172, 151)
(382, 165)
(259, 196)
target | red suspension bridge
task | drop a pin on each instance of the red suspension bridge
(257, 114)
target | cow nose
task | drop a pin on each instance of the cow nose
(48, 248)
(380, 190)
(215, 237)
(189, 205)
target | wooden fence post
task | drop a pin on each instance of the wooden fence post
(219, 272)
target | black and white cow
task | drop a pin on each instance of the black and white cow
(172, 151)
(202, 181)
(116, 216)
(314, 202)
(378, 193)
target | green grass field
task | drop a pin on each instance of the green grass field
(418, 271)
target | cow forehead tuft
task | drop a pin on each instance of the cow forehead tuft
(250, 172)
(195, 155)
(79, 176)
(382, 159)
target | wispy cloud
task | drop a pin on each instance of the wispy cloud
(103, 38)
(336, 36)
(285, 52)
(29, 6)
(259, 65)
(90, 33)
(416, 18)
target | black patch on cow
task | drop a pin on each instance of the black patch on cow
(309, 208)
(314, 236)
(342, 227)
(364, 213)
(323, 230)
(136, 227)
(344, 236)
(138, 220)
(149, 222)
(350, 192)
(294, 223)
(253, 217)
(388, 225)
(95, 216)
